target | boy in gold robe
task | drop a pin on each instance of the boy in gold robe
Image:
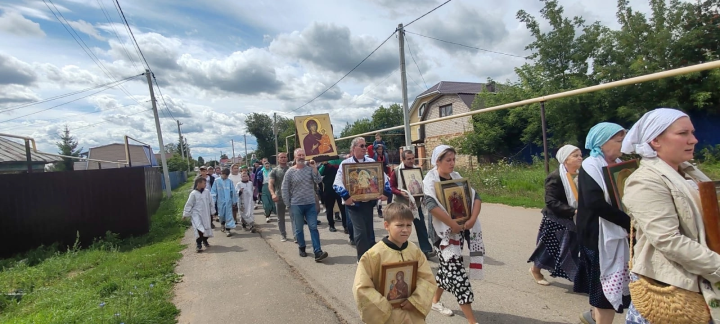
(373, 306)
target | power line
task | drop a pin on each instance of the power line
(64, 95)
(458, 44)
(413, 58)
(162, 97)
(127, 28)
(107, 16)
(83, 46)
(346, 74)
(418, 18)
(102, 122)
(79, 114)
(65, 103)
(132, 35)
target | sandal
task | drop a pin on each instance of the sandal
(541, 281)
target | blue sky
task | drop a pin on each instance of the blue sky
(218, 61)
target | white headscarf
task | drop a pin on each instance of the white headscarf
(562, 155)
(437, 152)
(564, 152)
(649, 127)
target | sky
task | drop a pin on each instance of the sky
(217, 61)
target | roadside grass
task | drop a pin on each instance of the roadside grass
(523, 184)
(112, 281)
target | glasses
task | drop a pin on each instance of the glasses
(361, 146)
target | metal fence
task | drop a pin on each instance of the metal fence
(177, 178)
(44, 208)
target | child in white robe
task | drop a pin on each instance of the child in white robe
(244, 189)
(199, 207)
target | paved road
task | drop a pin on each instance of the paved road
(506, 295)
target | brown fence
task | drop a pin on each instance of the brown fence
(44, 208)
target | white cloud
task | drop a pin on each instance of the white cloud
(87, 28)
(14, 23)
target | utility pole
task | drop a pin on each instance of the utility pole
(403, 80)
(188, 153)
(246, 156)
(168, 190)
(275, 134)
(232, 141)
(181, 144)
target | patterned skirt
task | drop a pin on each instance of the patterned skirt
(452, 277)
(557, 248)
(588, 281)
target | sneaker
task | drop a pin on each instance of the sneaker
(586, 317)
(429, 255)
(198, 248)
(294, 239)
(319, 256)
(345, 231)
(253, 229)
(228, 234)
(222, 229)
(319, 222)
(283, 239)
(332, 229)
(302, 252)
(267, 219)
(212, 225)
(206, 245)
(440, 308)
(352, 242)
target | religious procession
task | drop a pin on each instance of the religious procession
(629, 234)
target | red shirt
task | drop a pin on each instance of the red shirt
(394, 183)
(370, 151)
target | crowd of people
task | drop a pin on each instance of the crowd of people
(654, 239)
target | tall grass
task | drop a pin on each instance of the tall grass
(519, 184)
(113, 281)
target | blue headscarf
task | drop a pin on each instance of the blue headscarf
(599, 135)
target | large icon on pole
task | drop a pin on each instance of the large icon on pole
(315, 136)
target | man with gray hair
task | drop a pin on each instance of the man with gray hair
(360, 213)
(298, 192)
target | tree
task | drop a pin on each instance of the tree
(213, 163)
(261, 127)
(177, 163)
(380, 119)
(170, 148)
(67, 146)
(573, 54)
(200, 161)
(223, 156)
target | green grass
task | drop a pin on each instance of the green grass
(523, 185)
(132, 278)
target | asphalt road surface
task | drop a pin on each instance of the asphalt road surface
(256, 278)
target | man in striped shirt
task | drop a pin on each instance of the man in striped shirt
(298, 192)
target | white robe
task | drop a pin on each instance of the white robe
(246, 201)
(199, 207)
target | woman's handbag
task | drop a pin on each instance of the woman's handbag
(660, 303)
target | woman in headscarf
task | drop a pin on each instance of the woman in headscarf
(602, 230)
(451, 274)
(663, 200)
(557, 246)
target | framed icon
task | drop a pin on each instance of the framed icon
(364, 181)
(412, 181)
(398, 281)
(615, 176)
(454, 196)
(314, 134)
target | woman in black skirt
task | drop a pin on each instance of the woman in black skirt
(557, 245)
(602, 230)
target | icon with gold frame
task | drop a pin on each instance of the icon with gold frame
(314, 134)
(364, 181)
(454, 196)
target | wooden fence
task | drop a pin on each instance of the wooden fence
(44, 208)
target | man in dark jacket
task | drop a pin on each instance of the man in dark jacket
(329, 196)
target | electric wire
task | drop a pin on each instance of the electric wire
(413, 58)
(132, 35)
(346, 74)
(63, 95)
(102, 122)
(163, 97)
(83, 46)
(418, 18)
(468, 46)
(78, 114)
(65, 103)
(112, 26)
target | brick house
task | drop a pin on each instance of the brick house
(445, 98)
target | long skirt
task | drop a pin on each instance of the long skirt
(588, 281)
(452, 277)
(268, 204)
(557, 248)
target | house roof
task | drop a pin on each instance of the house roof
(11, 151)
(116, 152)
(452, 87)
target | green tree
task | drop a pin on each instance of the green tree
(223, 156)
(261, 127)
(67, 146)
(380, 119)
(177, 163)
(200, 161)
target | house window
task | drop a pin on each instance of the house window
(421, 110)
(446, 110)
